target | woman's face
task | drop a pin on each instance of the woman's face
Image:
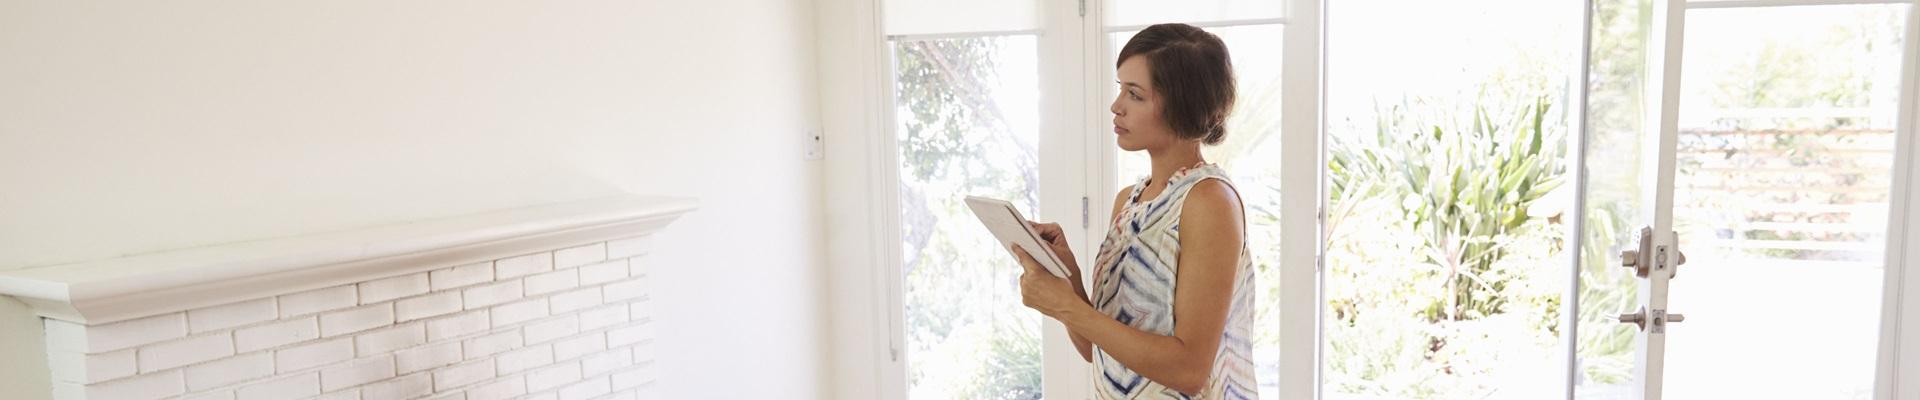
(1137, 122)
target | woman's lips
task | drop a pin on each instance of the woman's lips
(1117, 130)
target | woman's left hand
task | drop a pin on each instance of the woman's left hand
(1040, 290)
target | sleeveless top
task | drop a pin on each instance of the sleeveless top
(1133, 282)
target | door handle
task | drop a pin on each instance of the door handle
(1655, 321)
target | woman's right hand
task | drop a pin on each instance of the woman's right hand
(1056, 238)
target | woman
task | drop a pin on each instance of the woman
(1170, 312)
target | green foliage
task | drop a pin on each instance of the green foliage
(967, 334)
(1465, 186)
(1445, 236)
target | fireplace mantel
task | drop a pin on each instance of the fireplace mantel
(118, 289)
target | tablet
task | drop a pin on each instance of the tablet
(1011, 229)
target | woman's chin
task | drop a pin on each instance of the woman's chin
(1126, 145)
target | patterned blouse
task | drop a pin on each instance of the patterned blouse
(1133, 282)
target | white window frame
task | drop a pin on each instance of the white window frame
(1897, 375)
(863, 295)
(862, 181)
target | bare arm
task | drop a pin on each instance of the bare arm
(1211, 240)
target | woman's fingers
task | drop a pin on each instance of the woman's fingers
(1054, 234)
(1027, 262)
(1049, 232)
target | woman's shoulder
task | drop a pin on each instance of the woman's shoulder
(1211, 195)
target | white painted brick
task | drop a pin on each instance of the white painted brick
(458, 325)
(499, 390)
(448, 278)
(276, 334)
(222, 395)
(604, 272)
(229, 371)
(312, 355)
(553, 376)
(558, 327)
(492, 344)
(628, 379)
(640, 311)
(629, 334)
(66, 336)
(514, 313)
(578, 256)
(553, 281)
(433, 355)
(185, 351)
(426, 306)
(462, 375)
(318, 300)
(393, 288)
(390, 339)
(349, 394)
(629, 247)
(643, 351)
(552, 329)
(625, 290)
(570, 348)
(586, 389)
(523, 359)
(291, 387)
(450, 396)
(147, 386)
(639, 266)
(76, 367)
(543, 396)
(522, 266)
(231, 315)
(343, 322)
(603, 316)
(482, 296)
(401, 388)
(574, 300)
(356, 373)
(606, 361)
(120, 335)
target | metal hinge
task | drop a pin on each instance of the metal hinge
(1085, 221)
(1083, 8)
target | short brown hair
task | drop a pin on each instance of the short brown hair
(1191, 69)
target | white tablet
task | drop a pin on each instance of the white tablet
(1010, 228)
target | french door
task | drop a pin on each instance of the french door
(1510, 197)
(1445, 199)
(1009, 98)
(1739, 232)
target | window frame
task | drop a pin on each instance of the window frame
(1076, 181)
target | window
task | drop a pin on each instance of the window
(1251, 153)
(1449, 197)
(966, 126)
(966, 115)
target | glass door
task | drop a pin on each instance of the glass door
(1254, 31)
(1737, 197)
(1448, 130)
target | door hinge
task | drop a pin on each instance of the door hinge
(1085, 222)
(1083, 8)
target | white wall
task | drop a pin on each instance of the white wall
(130, 127)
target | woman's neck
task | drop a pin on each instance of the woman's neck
(1167, 161)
